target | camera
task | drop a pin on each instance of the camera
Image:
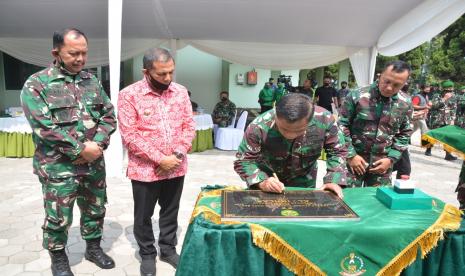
(286, 80)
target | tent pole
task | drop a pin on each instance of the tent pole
(115, 150)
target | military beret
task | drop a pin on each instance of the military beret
(462, 87)
(434, 84)
(447, 84)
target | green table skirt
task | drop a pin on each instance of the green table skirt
(228, 249)
(16, 144)
(203, 140)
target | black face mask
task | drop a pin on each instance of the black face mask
(224, 99)
(62, 66)
(344, 86)
(156, 85)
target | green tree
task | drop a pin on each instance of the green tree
(448, 53)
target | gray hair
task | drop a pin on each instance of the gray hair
(155, 54)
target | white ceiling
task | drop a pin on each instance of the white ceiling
(354, 23)
(251, 32)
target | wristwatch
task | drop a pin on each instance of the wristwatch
(179, 155)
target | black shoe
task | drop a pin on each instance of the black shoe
(60, 263)
(428, 152)
(95, 254)
(171, 259)
(450, 157)
(147, 267)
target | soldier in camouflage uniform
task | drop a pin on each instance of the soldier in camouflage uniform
(72, 120)
(460, 122)
(442, 112)
(224, 111)
(433, 91)
(376, 124)
(288, 141)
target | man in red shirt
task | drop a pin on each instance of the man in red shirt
(157, 128)
(421, 105)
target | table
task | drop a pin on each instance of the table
(214, 248)
(15, 138)
(203, 133)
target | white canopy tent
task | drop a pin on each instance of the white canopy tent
(269, 34)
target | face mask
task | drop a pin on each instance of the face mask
(344, 86)
(223, 99)
(62, 65)
(156, 85)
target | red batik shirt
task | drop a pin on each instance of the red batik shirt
(153, 126)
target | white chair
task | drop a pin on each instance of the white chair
(215, 126)
(227, 138)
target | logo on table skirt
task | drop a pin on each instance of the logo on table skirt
(215, 205)
(290, 213)
(352, 265)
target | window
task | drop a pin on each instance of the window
(17, 72)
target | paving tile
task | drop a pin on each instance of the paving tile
(29, 273)
(10, 250)
(112, 272)
(38, 265)
(23, 257)
(11, 269)
(34, 246)
(85, 267)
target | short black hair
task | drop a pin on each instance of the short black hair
(270, 79)
(224, 92)
(398, 66)
(343, 82)
(155, 54)
(294, 107)
(59, 36)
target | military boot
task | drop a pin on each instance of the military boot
(95, 254)
(60, 263)
(428, 152)
(450, 157)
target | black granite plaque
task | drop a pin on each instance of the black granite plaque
(291, 205)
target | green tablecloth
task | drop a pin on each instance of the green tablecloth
(222, 249)
(16, 144)
(203, 140)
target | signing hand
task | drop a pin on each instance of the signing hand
(357, 165)
(381, 166)
(336, 189)
(271, 185)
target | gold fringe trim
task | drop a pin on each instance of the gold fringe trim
(283, 252)
(212, 193)
(263, 238)
(449, 220)
(446, 147)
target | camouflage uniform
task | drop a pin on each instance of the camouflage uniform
(460, 122)
(265, 151)
(442, 112)
(341, 96)
(64, 111)
(375, 127)
(224, 111)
